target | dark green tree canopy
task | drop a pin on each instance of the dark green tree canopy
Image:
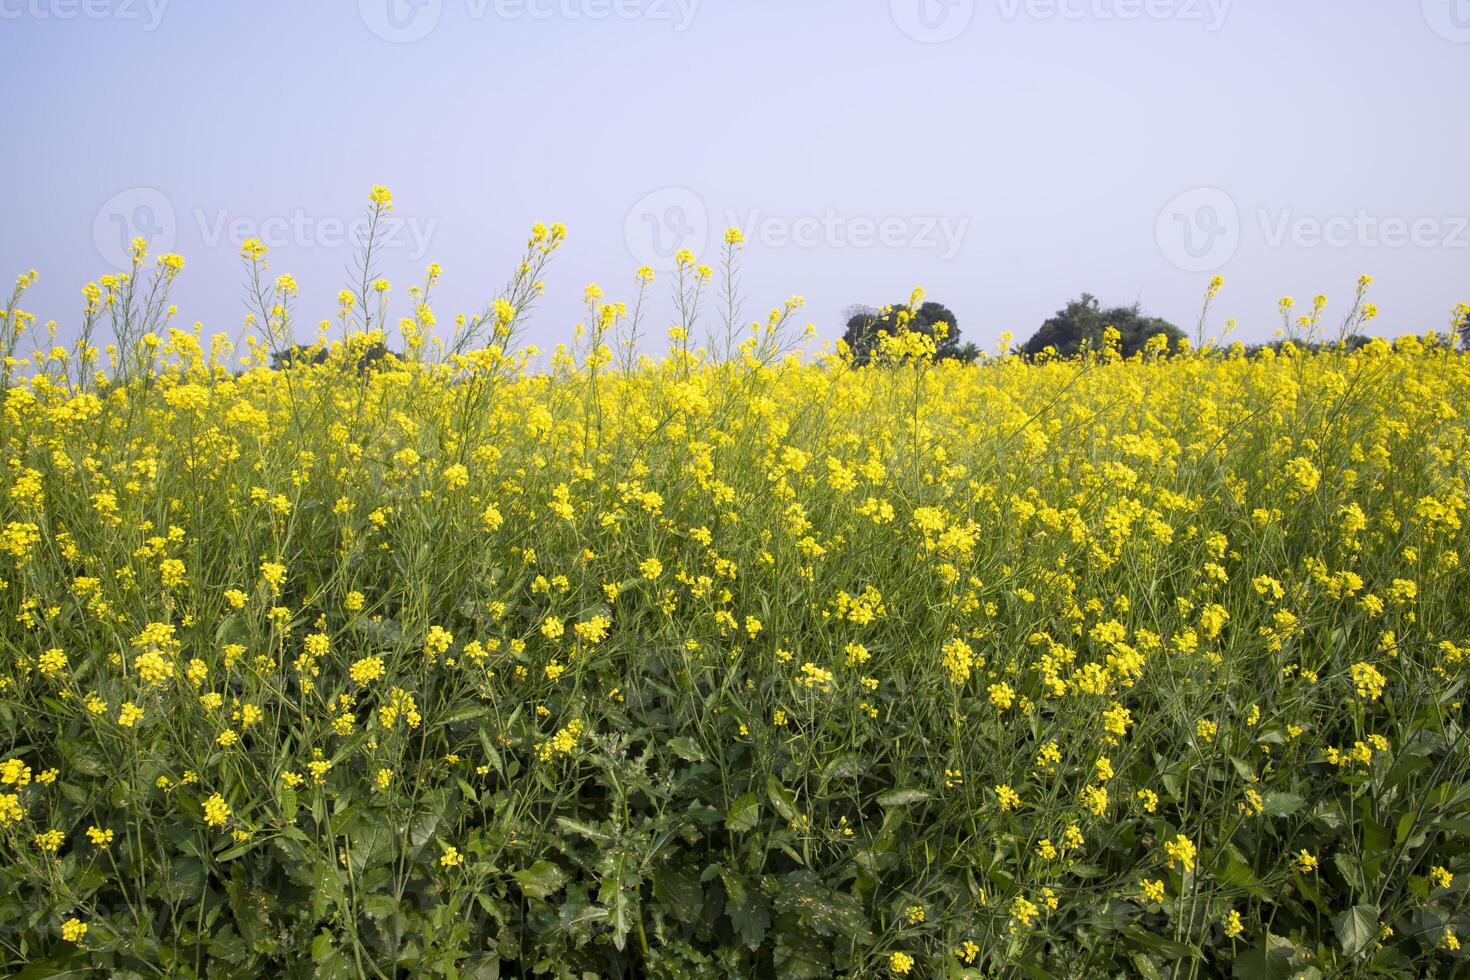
(1084, 320)
(370, 357)
(865, 323)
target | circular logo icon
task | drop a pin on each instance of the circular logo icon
(1199, 230)
(138, 212)
(1450, 19)
(401, 21)
(664, 223)
(933, 21)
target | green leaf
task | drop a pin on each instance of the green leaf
(824, 910)
(1146, 967)
(781, 799)
(1271, 960)
(1405, 827)
(1348, 867)
(903, 797)
(750, 915)
(424, 825)
(330, 890)
(239, 849)
(846, 765)
(1167, 948)
(619, 892)
(584, 830)
(743, 815)
(464, 714)
(490, 752)
(251, 911)
(541, 880)
(679, 891)
(380, 906)
(1282, 804)
(1357, 928)
(331, 963)
(798, 958)
(687, 749)
(482, 966)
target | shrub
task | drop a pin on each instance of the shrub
(1083, 323)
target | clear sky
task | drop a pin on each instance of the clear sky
(1005, 154)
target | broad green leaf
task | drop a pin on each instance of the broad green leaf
(1282, 804)
(1269, 959)
(750, 915)
(1357, 928)
(619, 893)
(586, 830)
(903, 797)
(687, 749)
(781, 799)
(679, 891)
(744, 814)
(541, 880)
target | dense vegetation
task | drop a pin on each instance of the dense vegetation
(770, 665)
(1082, 323)
(866, 328)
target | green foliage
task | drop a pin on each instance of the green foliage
(864, 324)
(370, 356)
(1082, 322)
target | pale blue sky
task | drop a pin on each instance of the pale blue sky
(1006, 154)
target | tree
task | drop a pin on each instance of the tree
(1349, 343)
(369, 358)
(865, 323)
(1084, 320)
(298, 354)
